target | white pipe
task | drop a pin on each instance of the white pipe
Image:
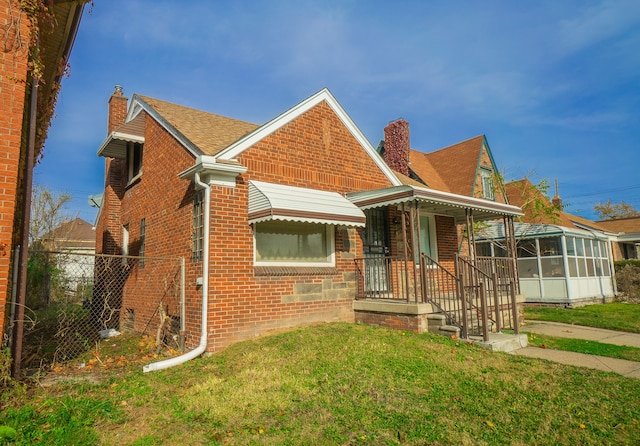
(200, 349)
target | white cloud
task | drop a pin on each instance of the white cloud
(597, 23)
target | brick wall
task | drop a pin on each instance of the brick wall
(13, 74)
(315, 151)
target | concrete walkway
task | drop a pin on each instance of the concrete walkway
(623, 367)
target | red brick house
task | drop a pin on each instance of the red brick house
(281, 224)
(27, 109)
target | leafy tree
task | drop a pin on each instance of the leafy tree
(536, 206)
(47, 214)
(613, 211)
(43, 274)
(532, 198)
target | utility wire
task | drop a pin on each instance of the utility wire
(605, 191)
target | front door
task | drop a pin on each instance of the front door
(376, 251)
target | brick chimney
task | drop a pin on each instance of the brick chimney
(117, 109)
(396, 146)
(556, 200)
(108, 228)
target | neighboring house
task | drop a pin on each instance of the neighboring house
(75, 245)
(281, 224)
(562, 258)
(625, 236)
(75, 236)
(466, 168)
(26, 110)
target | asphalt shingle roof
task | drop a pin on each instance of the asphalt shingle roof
(630, 224)
(209, 132)
(450, 169)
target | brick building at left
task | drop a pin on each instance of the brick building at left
(26, 112)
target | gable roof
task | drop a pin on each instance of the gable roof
(209, 133)
(521, 191)
(454, 168)
(456, 165)
(76, 233)
(294, 112)
(215, 139)
(627, 225)
(420, 166)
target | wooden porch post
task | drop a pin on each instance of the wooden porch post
(403, 219)
(512, 251)
(471, 238)
(412, 213)
(417, 252)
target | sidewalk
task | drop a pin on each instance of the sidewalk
(623, 367)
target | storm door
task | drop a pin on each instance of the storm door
(376, 251)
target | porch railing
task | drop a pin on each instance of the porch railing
(386, 277)
(489, 290)
(478, 297)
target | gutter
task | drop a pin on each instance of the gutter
(200, 349)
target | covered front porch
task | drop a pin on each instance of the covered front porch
(420, 270)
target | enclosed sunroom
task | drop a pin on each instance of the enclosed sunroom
(556, 264)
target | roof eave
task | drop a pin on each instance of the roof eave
(484, 209)
(213, 172)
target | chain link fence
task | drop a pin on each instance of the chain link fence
(75, 300)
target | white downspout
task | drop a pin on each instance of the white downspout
(205, 291)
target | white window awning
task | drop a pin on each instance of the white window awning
(115, 146)
(268, 201)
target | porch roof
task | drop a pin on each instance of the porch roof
(434, 201)
(536, 230)
(268, 201)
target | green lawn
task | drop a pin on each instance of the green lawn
(334, 384)
(613, 316)
(584, 346)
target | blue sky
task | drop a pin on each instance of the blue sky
(554, 85)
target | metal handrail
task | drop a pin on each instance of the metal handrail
(472, 297)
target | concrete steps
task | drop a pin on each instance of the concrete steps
(502, 342)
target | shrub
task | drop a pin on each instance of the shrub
(620, 264)
(9, 387)
(628, 280)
